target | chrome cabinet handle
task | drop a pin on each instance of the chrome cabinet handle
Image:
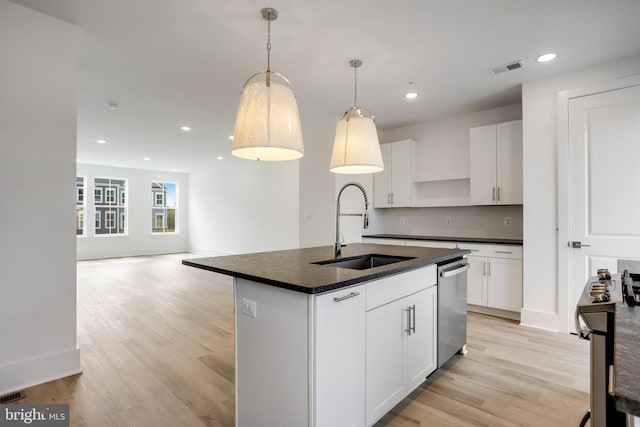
(503, 252)
(612, 380)
(413, 310)
(408, 330)
(494, 194)
(489, 269)
(498, 193)
(351, 295)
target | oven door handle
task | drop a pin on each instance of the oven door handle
(583, 333)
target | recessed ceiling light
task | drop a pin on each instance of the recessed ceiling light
(101, 141)
(546, 57)
(185, 128)
(411, 95)
(231, 137)
(113, 106)
(219, 157)
(147, 159)
(174, 170)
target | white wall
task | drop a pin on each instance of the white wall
(540, 149)
(139, 239)
(317, 196)
(241, 206)
(37, 164)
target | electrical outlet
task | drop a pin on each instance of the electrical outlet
(447, 220)
(507, 221)
(249, 307)
(401, 221)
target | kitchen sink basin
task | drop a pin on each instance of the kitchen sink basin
(363, 262)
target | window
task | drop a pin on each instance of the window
(110, 219)
(159, 220)
(79, 206)
(79, 221)
(110, 195)
(112, 207)
(164, 210)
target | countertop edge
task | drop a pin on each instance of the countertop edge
(486, 240)
(329, 286)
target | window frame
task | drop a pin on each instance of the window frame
(160, 193)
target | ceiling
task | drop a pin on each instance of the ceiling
(168, 63)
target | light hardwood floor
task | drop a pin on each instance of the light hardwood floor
(156, 341)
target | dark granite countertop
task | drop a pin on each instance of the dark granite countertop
(627, 358)
(293, 269)
(498, 241)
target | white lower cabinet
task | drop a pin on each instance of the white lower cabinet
(318, 360)
(340, 357)
(401, 350)
(494, 278)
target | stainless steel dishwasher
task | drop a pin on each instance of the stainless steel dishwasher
(452, 309)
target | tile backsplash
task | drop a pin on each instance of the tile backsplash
(463, 221)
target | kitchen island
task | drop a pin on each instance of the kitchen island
(324, 345)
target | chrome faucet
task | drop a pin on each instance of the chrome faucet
(338, 245)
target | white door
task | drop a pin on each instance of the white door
(604, 183)
(340, 359)
(483, 165)
(422, 343)
(509, 163)
(401, 174)
(505, 284)
(385, 355)
(382, 180)
(476, 281)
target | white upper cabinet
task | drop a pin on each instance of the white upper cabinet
(496, 164)
(392, 186)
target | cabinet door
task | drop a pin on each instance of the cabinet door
(384, 365)
(382, 180)
(483, 165)
(339, 369)
(509, 160)
(401, 174)
(476, 281)
(505, 284)
(421, 344)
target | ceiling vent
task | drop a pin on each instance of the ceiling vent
(510, 66)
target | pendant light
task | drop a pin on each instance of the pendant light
(356, 148)
(268, 124)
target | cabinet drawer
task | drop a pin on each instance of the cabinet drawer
(495, 251)
(383, 291)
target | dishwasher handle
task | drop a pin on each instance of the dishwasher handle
(454, 272)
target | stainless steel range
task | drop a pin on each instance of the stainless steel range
(596, 308)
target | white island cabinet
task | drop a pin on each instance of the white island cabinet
(314, 360)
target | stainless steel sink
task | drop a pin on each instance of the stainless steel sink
(363, 262)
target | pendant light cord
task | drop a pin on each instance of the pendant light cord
(268, 46)
(355, 86)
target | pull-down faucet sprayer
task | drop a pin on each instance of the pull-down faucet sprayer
(338, 245)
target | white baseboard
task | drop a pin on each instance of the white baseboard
(209, 252)
(539, 319)
(29, 373)
(493, 311)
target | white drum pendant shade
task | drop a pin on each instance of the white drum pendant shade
(356, 148)
(268, 124)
